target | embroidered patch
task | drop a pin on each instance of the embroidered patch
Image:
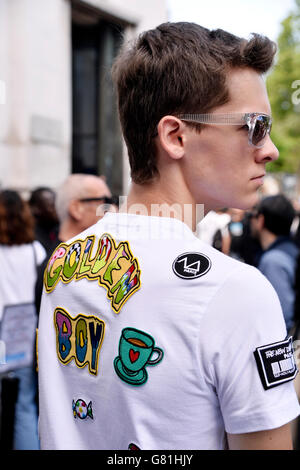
(276, 363)
(81, 409)
(191, 265)
(133, 446)
(113, 266)
(135, 350)
(78, 338)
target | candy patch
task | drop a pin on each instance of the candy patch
(81, 409)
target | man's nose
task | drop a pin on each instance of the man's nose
(268, 153)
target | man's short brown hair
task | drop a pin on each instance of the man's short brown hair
(172, 69)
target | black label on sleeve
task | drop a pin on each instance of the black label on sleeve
(276, 363)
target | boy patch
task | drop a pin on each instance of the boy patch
(276, 363)
(78, 338)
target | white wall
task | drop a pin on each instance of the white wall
(49, 92)
(35, 64)
(146, 14)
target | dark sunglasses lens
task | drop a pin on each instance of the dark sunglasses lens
(261, 128)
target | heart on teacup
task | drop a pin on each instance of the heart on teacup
(133, 355)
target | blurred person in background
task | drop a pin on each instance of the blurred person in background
(295, 229)
(42, 204)
(271, 224)
(213, 222)
(228, 239)
(296, 337)
(297, 298)
(20, 256)
(236, 240)
(81, 201)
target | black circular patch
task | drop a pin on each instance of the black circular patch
(191, 265)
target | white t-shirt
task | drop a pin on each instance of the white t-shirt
(147, 338)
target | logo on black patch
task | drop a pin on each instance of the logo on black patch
(276, 363)
(191, 265)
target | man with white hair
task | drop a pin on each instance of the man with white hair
(80, 202)
(77, 201)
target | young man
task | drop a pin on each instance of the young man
(149, 338)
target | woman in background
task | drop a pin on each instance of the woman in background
(19, 257)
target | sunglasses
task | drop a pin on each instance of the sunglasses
(259, 124)
(105, 199)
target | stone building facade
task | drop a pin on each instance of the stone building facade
(57, 107)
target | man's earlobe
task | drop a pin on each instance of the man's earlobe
(261, 221)
(170, 133)
(75, 209)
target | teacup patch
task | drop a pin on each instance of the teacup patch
(136, 349)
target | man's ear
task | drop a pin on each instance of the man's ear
(171, 136)
(75, 209)
(260, 221)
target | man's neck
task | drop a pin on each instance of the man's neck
(68, 230)
(159, 199)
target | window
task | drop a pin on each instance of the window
(97, 142)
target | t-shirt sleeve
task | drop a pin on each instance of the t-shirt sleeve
(245, 314)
